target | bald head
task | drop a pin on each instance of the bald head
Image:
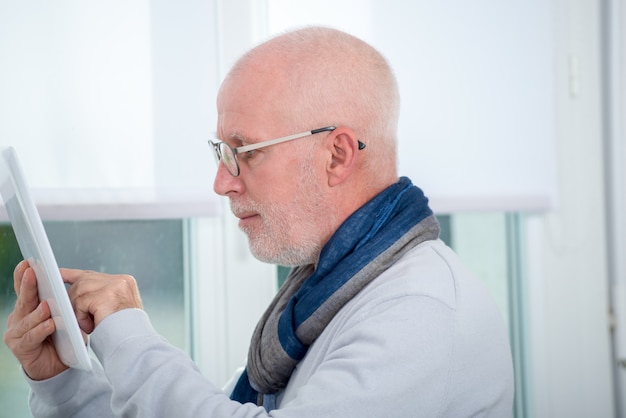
(320, 76)
(292, 196)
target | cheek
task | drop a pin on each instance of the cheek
(276, 184)
(283, 184)
(270, 190)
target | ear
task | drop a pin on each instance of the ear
(343, 146)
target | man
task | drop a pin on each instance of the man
(378, 318)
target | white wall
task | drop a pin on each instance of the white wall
(569, 341)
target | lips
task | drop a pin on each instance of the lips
(245, 211)
(245, 218)
(244, 214)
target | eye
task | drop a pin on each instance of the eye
(249, 154)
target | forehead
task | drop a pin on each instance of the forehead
(249, 115)
(258, 82)
(239, 128)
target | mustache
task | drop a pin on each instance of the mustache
(239, 208)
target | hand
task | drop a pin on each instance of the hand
(97, 295)
(30, 327)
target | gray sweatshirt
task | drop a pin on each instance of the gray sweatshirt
(424, 339)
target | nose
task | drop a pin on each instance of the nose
(224, 183)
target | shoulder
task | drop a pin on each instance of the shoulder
(429, 292)
(425, 324)
(430, 272)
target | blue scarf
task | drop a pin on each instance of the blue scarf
(371, 240)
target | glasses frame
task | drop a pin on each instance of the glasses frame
(217, 146)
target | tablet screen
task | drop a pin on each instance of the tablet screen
(35, 247)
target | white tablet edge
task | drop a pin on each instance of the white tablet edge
(35, 248)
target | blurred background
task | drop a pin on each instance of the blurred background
(511, 122)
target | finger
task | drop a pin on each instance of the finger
(85, 296)
(42, 326)
(97, 295)
(28, 296)
(70, 276)
(18, 273)
(85, 318)
(32, 330)
(88, 284)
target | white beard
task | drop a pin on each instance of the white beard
(292, 233)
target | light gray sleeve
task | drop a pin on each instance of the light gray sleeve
(143, 376)
(152, 378)
(73, 393)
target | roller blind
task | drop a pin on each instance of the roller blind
(110, 105)
(476, 80)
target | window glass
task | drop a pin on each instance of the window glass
(151, 251)
(480, 240)
(490, 243)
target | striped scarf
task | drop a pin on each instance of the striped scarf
(371, 240)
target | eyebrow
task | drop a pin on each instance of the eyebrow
(237, 137)
(234, 137)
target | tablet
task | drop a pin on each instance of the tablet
(35, 247)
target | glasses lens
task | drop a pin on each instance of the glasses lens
(216, 151)
(229, 159)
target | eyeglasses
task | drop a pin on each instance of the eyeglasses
(228, 155)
